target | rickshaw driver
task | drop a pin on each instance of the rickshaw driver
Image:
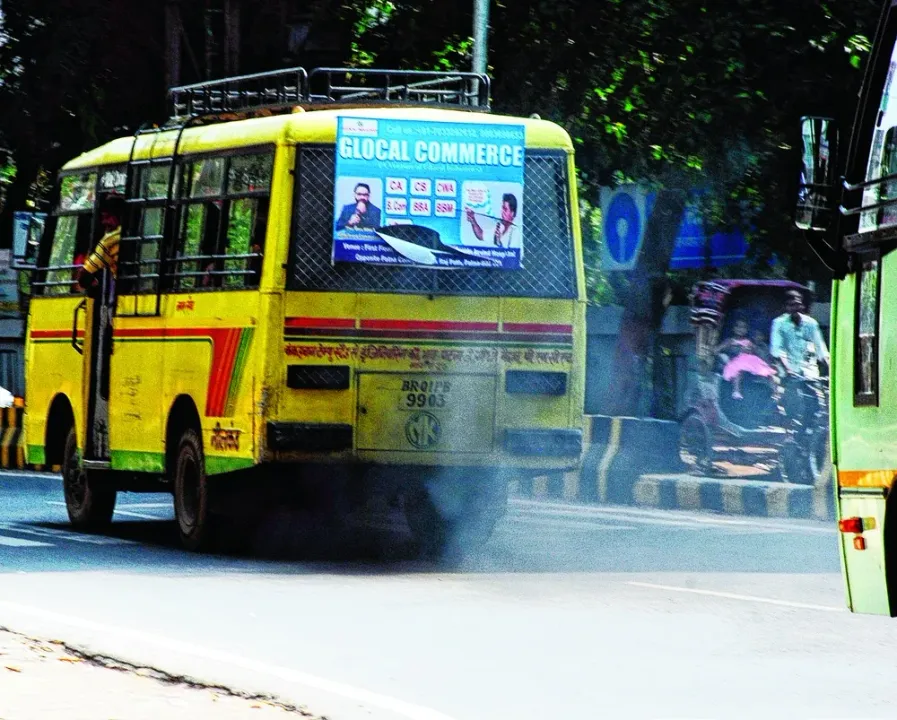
(796, 341)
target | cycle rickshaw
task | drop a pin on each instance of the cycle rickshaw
(778, 425)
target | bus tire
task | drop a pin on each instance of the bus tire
(89, 507)
(192, 497)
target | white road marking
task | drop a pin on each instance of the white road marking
(334, 687)
(146, 505)
(18, 542)
(30, 474)
(564, 524)
(143, 516)
(128, 513)
(55, 534)
(736, 596)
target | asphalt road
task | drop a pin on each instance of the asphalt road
(569, 612)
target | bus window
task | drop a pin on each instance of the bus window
(250, 174)
(139, 261)
(77, 192)
(889, 188)
(207, 177)
(866, 343)
(72, 234)
(196, 245)
(246, 227)
(880, 156)
(148, 254)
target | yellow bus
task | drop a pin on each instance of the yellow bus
(346, 278)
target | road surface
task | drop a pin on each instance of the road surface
(570, 612)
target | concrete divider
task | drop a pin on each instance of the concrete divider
(617, 451)
(12, 440)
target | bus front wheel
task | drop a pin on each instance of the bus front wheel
(192, 501)
(89, 507)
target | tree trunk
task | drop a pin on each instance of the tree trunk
(644, 306)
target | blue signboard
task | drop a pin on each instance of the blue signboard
(433, 194)
(693, 249)
(623, 228)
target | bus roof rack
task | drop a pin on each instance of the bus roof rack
(280, 90)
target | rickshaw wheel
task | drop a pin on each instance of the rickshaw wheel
(696, 445)
(795, 464)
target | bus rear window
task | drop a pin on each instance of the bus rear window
(547, 269)
(76, 192)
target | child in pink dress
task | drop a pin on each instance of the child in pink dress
(743, 358)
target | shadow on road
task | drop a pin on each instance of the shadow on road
(291, 541)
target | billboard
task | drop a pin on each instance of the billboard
(427, 193)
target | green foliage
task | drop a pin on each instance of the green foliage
(685, 94)
(682, 94)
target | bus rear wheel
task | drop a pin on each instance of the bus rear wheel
(89, 507)
(192, 497)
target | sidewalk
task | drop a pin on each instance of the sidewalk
(44, 681)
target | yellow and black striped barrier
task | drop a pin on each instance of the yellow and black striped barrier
(12, 436)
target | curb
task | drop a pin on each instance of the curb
(731, 496)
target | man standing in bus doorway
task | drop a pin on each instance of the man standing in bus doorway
(98, 276)
(105, 255)
(505, 228)
(360, 214)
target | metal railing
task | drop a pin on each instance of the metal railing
(284, 89)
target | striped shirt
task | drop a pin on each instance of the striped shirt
(105, 254)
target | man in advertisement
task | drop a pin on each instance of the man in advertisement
(504, 234)
(360, 214)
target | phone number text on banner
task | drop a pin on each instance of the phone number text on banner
(432, 194)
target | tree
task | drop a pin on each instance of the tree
(74, 73)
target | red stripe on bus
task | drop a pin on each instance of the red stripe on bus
(429, 325)
(536, 328)
(318, 322)
(52, 334)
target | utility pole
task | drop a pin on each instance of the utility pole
(213, 25)
(480, 35)
(232, 37)
(174, 31)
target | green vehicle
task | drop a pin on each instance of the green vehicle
(852, 223)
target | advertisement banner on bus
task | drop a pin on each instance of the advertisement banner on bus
(432, 194)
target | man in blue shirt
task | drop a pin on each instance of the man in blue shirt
(796, 341)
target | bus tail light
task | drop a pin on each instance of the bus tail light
(851, 525)
(859, 543)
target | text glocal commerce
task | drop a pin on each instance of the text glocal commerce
(453, 153)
